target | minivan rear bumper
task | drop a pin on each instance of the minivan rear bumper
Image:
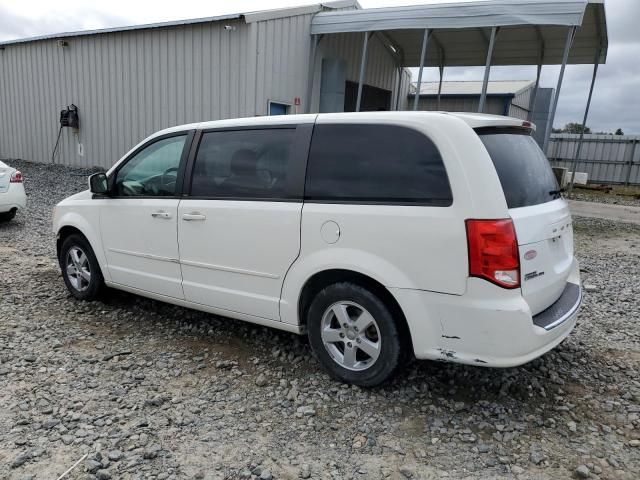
(487, 326)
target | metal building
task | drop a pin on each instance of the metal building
(504, 97)
(130, 82)
(508, 97)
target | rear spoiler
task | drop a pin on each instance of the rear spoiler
(523, 130)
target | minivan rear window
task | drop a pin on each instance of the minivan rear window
(375, 163)
(524, 170)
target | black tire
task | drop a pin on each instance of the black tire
(8, 216)
(390, 340)
(95, 285)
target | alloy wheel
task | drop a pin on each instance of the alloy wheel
(78, 269)
(351, 335)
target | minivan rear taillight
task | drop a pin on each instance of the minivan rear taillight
(16, 177)
(493, 251)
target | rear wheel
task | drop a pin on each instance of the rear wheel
(354, 335)
(80, 269)
(7, 216)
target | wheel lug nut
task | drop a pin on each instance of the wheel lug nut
(357, 340)
(349, 344)
(341, 335)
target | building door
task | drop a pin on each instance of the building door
(373, 98)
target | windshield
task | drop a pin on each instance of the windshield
(524, 171)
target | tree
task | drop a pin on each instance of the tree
(619, 132)
(575, 128)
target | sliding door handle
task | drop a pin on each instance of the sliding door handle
(161, 214)
(191, 217)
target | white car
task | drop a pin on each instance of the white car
(377, 234)
(12, 195)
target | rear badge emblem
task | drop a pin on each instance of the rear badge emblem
(530, 255)
(532, 275)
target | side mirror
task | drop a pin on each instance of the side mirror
(98, 183)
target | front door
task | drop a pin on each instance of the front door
(239, 228)
(139, 222)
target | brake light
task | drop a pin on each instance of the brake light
(16, 177)
(493, 252)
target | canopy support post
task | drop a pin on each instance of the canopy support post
(399, 88)
(315, 39)
(534, 96)
(574, 164)
(363, 65)
(441, 69)
(554, 104)
(423, 54)
(487, 69)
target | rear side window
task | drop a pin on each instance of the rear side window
(243, 164)
(523, 169)
(375, 164)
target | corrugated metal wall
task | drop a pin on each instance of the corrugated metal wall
(381, 70)
(522, 99)
(611, 159)
(518, 107)
(405, 85)
(130, 84)
(493, 105)
(282, 60)
(518, 112)
(127, 85)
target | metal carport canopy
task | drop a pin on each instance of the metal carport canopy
(531, 32)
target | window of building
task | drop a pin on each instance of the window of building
(276, 108)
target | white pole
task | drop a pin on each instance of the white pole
(554, 104)
(574, 164)
(441, 68)
(399, 87)
(311, 72)
(363, 64)
(423, 54)
(532, 102)
(487, 69)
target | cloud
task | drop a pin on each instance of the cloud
(14, 25)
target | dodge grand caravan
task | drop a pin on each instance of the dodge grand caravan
(376, 234)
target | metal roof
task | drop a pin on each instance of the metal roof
(531, 31)
(249, 17)
(496, 87)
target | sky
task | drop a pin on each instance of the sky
(616, 101)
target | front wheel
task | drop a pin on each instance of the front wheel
(353, 334)
(80, 268)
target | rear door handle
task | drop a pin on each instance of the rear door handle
(189, 217)
(161, 214)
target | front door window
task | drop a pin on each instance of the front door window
(153, 171)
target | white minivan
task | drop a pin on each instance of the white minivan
(379, 235)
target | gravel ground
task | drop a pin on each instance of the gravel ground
(148, 390)
(612, 197)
